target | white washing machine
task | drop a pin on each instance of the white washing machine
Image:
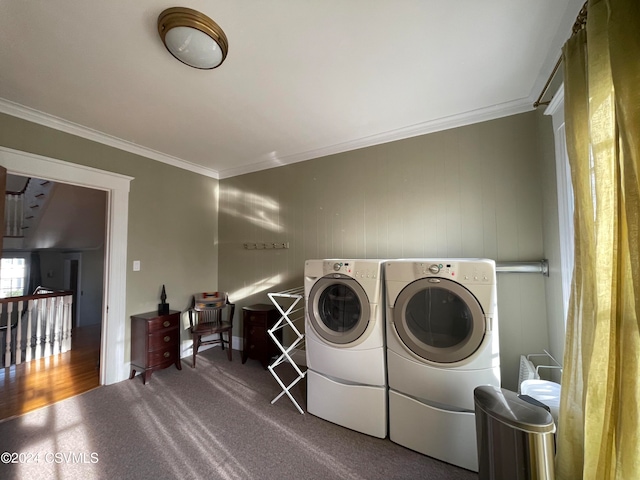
(442, 342)
(345, 344)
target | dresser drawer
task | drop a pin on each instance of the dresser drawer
(167, 355)
(163, 322)
(259, 319)
(163, 339)
(257, 333)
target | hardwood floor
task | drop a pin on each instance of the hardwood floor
(39, 383)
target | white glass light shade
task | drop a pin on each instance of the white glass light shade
(193, 47)
(192, 37)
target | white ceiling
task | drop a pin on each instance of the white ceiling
(303, 78)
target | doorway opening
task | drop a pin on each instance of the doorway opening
(113, 365)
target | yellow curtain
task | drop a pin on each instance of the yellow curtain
(599, 422)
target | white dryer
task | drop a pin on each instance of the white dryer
(345, 344)
(442, 342)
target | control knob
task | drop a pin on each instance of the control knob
(434, 268)
(337, 266)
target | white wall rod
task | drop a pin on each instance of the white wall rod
(541, 266)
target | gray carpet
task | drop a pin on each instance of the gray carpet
(212, 422)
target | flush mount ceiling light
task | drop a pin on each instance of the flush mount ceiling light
(192, 37)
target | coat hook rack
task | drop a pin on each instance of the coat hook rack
(265, 245)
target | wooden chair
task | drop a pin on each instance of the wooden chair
(207, 317)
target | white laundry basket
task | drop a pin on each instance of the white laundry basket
(545, 392)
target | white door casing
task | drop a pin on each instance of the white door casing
(113, 366)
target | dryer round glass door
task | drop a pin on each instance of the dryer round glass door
(338, 309)
(439, 320)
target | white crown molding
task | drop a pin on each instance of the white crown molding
(475, 116)
(35, 116)
(432, 126)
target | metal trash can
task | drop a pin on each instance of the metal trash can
(515, 438)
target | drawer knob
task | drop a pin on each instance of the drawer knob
(166, 323)
(167, 338)
(167, 354)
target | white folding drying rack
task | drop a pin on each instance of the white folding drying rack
(290, 314)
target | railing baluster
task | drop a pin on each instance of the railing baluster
(55, 326)
(16, 216)
(7, 337)
(9, 223)
(29, 339)
(20, 215)
(66, 344)
(19, 334)
(39, 327)
(8, 227)
(12, 216)
(58, 325)
(47, 328)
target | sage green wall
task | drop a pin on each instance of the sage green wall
(473, 191)
(173, 214)
(484, 190)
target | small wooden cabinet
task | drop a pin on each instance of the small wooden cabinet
(257, 343)
(155, 343)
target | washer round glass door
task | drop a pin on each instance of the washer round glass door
(439, 320)
(338, 308)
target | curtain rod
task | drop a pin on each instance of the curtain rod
(579, 24)
(537, 103)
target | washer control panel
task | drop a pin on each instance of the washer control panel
(345, 267)
(352, 268)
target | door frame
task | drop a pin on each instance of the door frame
(113, 364)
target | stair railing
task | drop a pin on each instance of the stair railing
(35, 326)
(14, 212)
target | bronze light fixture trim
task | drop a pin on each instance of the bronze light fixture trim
(193, 38)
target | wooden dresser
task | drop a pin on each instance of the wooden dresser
(257, 344)
(155, 342)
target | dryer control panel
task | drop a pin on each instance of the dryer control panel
(463, 272)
